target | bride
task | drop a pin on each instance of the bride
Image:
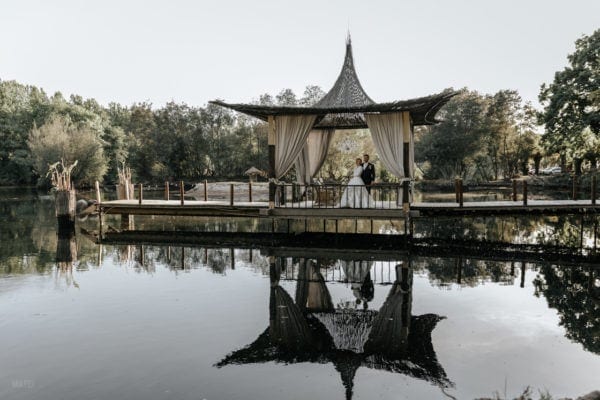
(355, 195)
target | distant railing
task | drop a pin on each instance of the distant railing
(380, 196)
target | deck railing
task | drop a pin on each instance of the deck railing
(381, 196)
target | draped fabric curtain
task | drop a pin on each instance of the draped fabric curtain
(387, 131)
(313, 154)
(291, 134)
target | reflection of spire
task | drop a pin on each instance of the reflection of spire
(347, 365)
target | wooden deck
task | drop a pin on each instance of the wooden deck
(304, 210)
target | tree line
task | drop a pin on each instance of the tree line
(481, 136)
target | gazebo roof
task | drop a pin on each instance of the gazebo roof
(344, 105)
(253, 171)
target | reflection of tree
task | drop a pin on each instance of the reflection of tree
(466, 272)
(564, 230)
(576, 296)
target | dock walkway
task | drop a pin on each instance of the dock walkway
(303, 210)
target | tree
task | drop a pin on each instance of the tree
(286, 98)
(454, 147)
(312, 94)
(572, 101)
(62, 139)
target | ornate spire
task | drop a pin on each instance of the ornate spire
(347, 90)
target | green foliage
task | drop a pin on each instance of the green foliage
(572, 102)
(481, 137)
(62, 139)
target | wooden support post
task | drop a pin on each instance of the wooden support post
(514, 190)
(181, 192)
(65, 201)
(232, 257)
(525, 193)
(456, 190)
(336, 226)
(405, 196)
(459, 263)
(581, 225)
(523, 267)
(408, 154)
(271, 142)
(183, 258)
(250, 191)
(98, 198)
(575, 187)
(167, 194)
(140, 193)
(324, 225)
(594, 189)
(231, 194)
(205, 190)
(100, 224)
(460, 192)
(250, 255)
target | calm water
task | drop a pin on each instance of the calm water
(166, 322)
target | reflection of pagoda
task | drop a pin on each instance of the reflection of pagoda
(311, 330)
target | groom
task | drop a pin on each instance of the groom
(368, 174)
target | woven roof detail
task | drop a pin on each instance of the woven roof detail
(344, 106)
(347, 90)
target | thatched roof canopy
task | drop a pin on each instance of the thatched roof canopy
(253, 171)
(344, 105)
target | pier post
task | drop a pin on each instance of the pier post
(65, 209)
(460, 192)
(181, 192)
(231, 194)
(523, 267)
(167, 194)
(514, 190)
(525, 193)
(575, 187)
(250, 191)
(205, 190)
(141, 193)
(594, 194)
(456, 190)
(98, 198)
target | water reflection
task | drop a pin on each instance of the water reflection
(311, 329)
(575, 294)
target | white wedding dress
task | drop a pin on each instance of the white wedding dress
(355, 195)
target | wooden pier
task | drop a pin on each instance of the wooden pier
(308, 210)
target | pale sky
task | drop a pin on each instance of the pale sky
(196, 51)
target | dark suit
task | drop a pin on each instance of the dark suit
(368, 175)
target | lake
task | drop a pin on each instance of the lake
(163, 321)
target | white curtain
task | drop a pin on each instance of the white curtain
(313, 154)
(291, 134)
(387, 131)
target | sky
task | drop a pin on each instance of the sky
(236, 50)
